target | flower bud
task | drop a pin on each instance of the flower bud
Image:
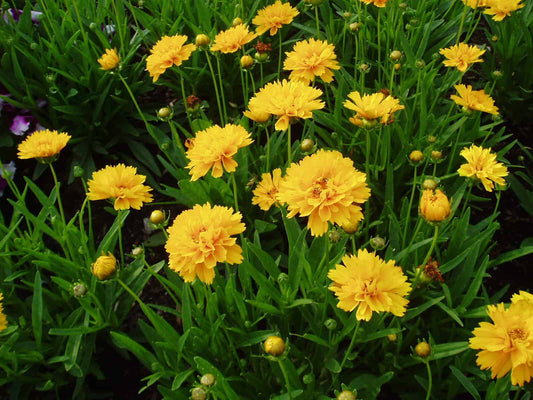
(334, 236)
(104, 266)
(364, 67)
(165, 146)
(202, 40)
(198, 394)
(237, 21)
(395, 55)
(78, 171)
(397, 67)
(378, 243)
(314, 2)
(247, 62)
(429, 184)
(346, 395)
(392, 337)
(92, 26)
(494, 38)
(436, 155)
(157, 217)
(34, 46)
(416, 156)
(282, 278)
(164, 113)
(497, 74)
(355, 26)
(434, 206)
(330, 324)
(137, 251)
(432, 139)
(274, 345)
(207, 380)
(307, 379)
(347, 14)
(420, 64)
(307, 145)
(350, 227)
(79, 290)
(261, 57)
(423, 349)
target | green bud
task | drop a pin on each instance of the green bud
(330, 324)
(78, 171)
(79, 290)
(308, 379)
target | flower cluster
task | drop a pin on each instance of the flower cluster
(482, 166)
(325, 187)
(370, 108)
(168, 51)
(200, 238)
(273, 17)
(371, 284)
(506, 344)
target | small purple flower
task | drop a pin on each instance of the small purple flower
(110, 30)
(15, 14)
(9, 168)
(35, 17)
(20, 125)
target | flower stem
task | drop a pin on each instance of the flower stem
(289, 152)
(60, 205)
(462, 23)
(317, 23)
(279, 56)
(287, 383)
(268, 151)
(352, 343)
(184, 99)
(222, 92)
(426, 259)
(119, 215)
(430, 380)
(235, 192)
(213, 76)
(407, 220)
(379, 45)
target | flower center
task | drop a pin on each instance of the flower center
(320, 185)
(369, 288)
(517, 335)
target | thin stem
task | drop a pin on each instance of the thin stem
(352, 343)
(279, 57)
(60, 205)
(213, 76)
(407, 220)
(184, 99)
(268, 150)
(89, 209)
(430, 381)
(317, 23)
(498, 196)
(289, 152)
(287, 383)
(235, 192)
(223, 99)
(452, 153)
(426, 259)
(462, 23)
(379, 45)
(119, 214)
(466, 199)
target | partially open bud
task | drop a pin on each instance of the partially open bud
(423, 349)
(397, 67)
(434, 205)
(198, 394)
(274, 345)
(207, 380)
(104, 266)
(355, 26)
(350, 227)
(392, 337)
(202, 40)
(79, 290)
(346, 395)
(364, 67)
(157, 217)
(416, 156)
(436, 155)
(432, 139)
(307, 145)
(237, 21)
(247, 62)
(395, 55)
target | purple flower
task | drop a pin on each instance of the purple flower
(9, 168)
(20, 125)
(15, 14)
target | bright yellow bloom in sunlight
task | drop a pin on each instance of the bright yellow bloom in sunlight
(168, 51)
(311, 58)
(104, 266)
(371, 284)
(43, 144)
(482, 166)
(434, 205)
(476, 3)
(266, 191)
(522, 296)
(214, 148)
(273, 17)
(506, 344)
(3, 318)
(200, 238)
(499, 9)
(372, 107)
(461, 56)
(325, 187)
(122, 184)
(476, 100)
(109, 60)
(377, 3)
(287, 100)
(232, 39)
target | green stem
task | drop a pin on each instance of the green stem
(426, 259)
(317, 23)
(287, 383)
(289, 152)
(407, 220)
(379, 45)
(279, 56)
(430, 381)
(183, 94)
(462, 23)
(235, 192)
(60, 205)
(498, 196)
(454, 147)
(466, 199)
(268, 150)
(89, 210)
(223, 98)
(215, 85)
(352, 343)
(119, 214)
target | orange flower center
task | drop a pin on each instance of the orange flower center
(517, 335)
(320, 185)
(368, 288)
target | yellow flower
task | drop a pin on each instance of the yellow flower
(232, 39)
(377, 3)
(287, 100)
(499, 9)
(326, 187)
(122, 184)
(266, 192)
(3, 318)
(370, 107)
(273, 17)
(274, 345)
(482, 165)
(104, 266)
(202, 237)
(522, 296)
(214, 148)
(43, 145)
(461, 56)
(506, 344)
(168, 51)
(311, 59)
(476, 3)
(434, 205)
(476, 100)
(371, 284)
(109, 60)
(255, 113)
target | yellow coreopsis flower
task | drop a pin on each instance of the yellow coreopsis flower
(109, 60)
(377, 3)
(287, 100)
(372, 107)
(522, 296)
(434, 205)
(499, 9)
(44, 144)
(267, 190)
(168, 51)
(232, 39)
(482, 166)
(122, 184)
(3, 318)
(273, 17)
(214, 148)
(461, 56)
(476, 3)
(506, 344)
(200, 238)
(325, 187)
(371, 284)
(104, 266)
(311, 58)
(476, 100)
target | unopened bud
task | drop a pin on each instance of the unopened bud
(78, 171)
(416, 156)
(350, 227)
(346, 14)
(330, 324)
(79, 290)
(207, 380)
(429, 184)
(378, 243)
(282, 278)
(308, 379)
(354, 26)
(346, 395)
(261, 57)
(420, 64)
(307, 145)
(198, 394)
(247, 61)
(432, 139)
(202, 40)
(494, 38)
(237, 21)
(137, 251)
(274, 345)
(436, 155)
(364, 67)
(157, 217)
(392, 337)
(397, 67)
(423, 349)
(395, 55)
(497, 74)
(164, 112)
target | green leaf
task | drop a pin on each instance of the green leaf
(180, 378)
(111, 237)
(413, 312)
(124, 342)
(37, 309)
(448, 349)
(463, 380)
(205, 367)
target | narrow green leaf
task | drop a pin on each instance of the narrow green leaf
(37, 309)
(463, 380)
